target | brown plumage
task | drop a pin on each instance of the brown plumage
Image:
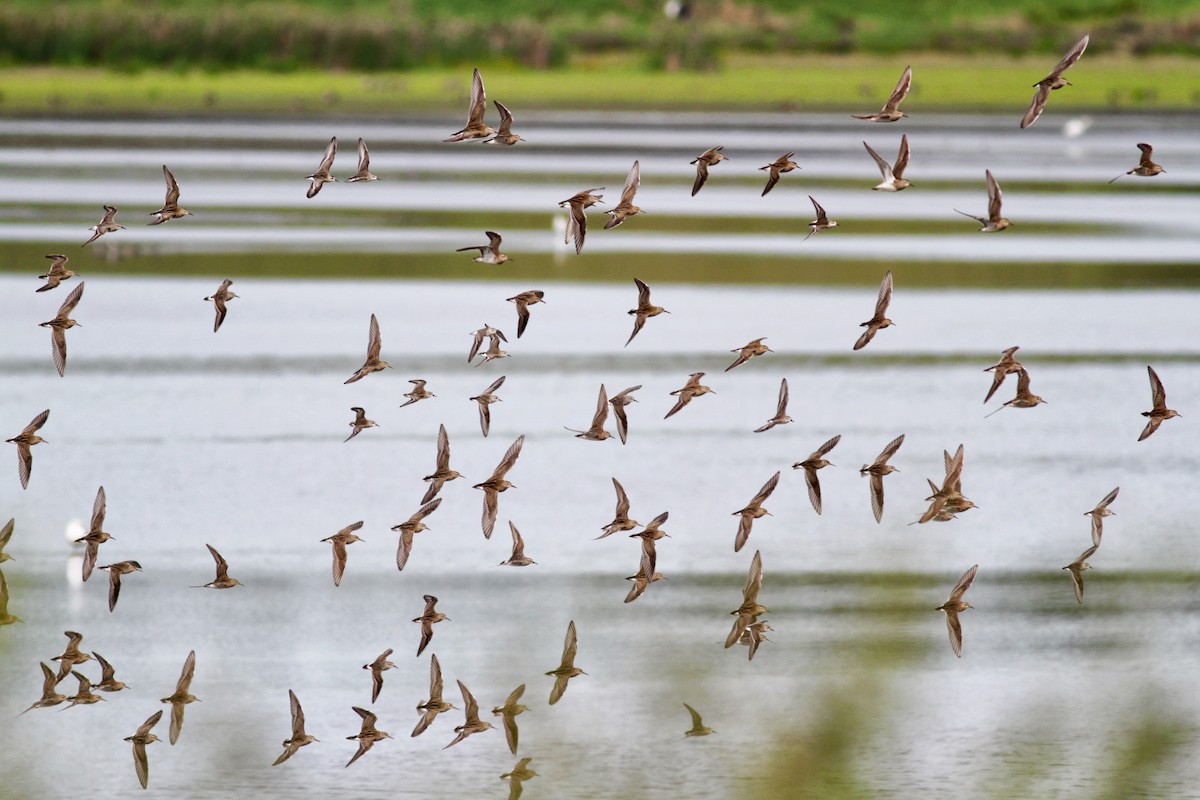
(577, 218)
(708, 158)
(339, 541)
(429, 617)
(322, 175)
(496, 484)
(954, 606)
(776, 168)
(815, 461)
(171, 208)
(1053, 81)
(1159, 412)
(684, 395)
(879, 321)
(625, 208)
(891, 109)
(475, 127)
(24, 440)
(877, 470)
(753, 510)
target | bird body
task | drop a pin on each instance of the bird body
(707, 159)
(891, 109)
(171, 208)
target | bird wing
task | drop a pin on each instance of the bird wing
(478, 101)
(824, 449)
(632, 183)
(510, 730)
(822, 219)
(114, 587)
(885, 168)
(963, 584)
(902, 87)
(222, 564)
(485, 417)
(701, 175)
(1022, 382)
(219, 305)
(814, 488)
(890, 450)
(901, 158)
(753, 579)
(172, 188)
(176, 721)
(494, 240)
(36, 423)
(435, 680)
(518, 542)
(7, 531)
(601, 414)
(1147, 152)
(639, 321)
(58, 348)
(885, 296)
(954, 629)
(186, 674)
(469, 703)
(781, 407)
(743, 533)
(327, 158)
(696, 721)
(772, 179)
(522, 317)
(1157, 392)
(1070, 58)
(1108, 498)
(403, 551)
(1151, 427)
(570, 646)
(443, 450)
(765, 491)
(877, 496)
(865, 338)
(995, 197)
(425, 511)
(560, 686)
(374, 342)
(141, 763)
(506, 119)
(339, 560)
(297, 715)
(622, 499)
(1076, 582)
(69, 304)
(364, 158)
(577, 226)
(491, 509)
(1036, 106)
(997, 378)
(510, 458)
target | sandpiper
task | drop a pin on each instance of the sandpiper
(577, 218)
(435, 704)
(596, 432)
(993, 222)
(822, 222)
(879, 321)
(360, 423)
(84, 696)
(59, 326)
(171, 208)
(1007, 363)
(708, 158)
(877, 470)
(781, 416)
(219, 298)
(753, 511)
(1025, 398)
(518, 557)
(222, 580)
(750, 610)
(691, 389)
(364, 165)
(953, 606)
(754, 635)
(524, 300)
(509, 711)
(1076, 569)
(25, 440)
(1145, 168)
(485, 399)
(893, 176)
(698, 727)
(378, 667)
(621, 520)
(618, 402)
(947, 500)
(322, 175)
(429, 617)
(373, 363)
(1099, 513)
(408, 529)
(108, 676)
(140, 739)
(50, 695)
(520, 772)
(891, 109)
(475, 127)
(815, 461)
(107, 224)
(1159, 412)
(751, 350)
(625, 208)
(5, 617)
(96, 535)
(472, 724)
(418, 393)
(368, 735)
(493, 351)
(504, 135)
(442, 472)
(566, 669)
(1053, 81)
(72, 654)
(645, 309)
(488, 253)
(57, 273)
(115, 571)
(487, 331)
(339, 540)
(776, 168)
(181, 697)
(298, 738)
(646, 573)
(496, 484)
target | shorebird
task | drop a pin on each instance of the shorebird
(1025, 398)
(368, 735)
(107, 224)
(493, 351)
(72, 654)
(577, 219)
(496, 484)
(143, 737)
(59, 326)
(750, 610)
(171, 208)
(1159, 412)
(181, 696)
(364, 165)
(893, 176)
(24, 440)
(596, 432)
(891, 109)
(50, 695)
(518, 557)
(504, 135)
(409, 528)
(777, 167)
(108, 676)
(751, 350)
(822, 222)
(621, 520)
(567, 669)
(428, 618)
(509, 711)
(339, 541)
(618, 402)
(434, 705)
(1076, 569)
(115, 571)
(488, 253)
(487, 331)
(475, 127)
(222, 581)
(360, 423)
(815, 461)
(1145, 168)
(5, 535)
(698, 727)
(322, 176)
(644, 309)
(472, 724)
(781, 417)
(877, 470)
(703, 161)
(485, 399)
(1099, 513)
(418, 393)
(219, 298)
(879, 321)
(625, 208)
(378, 667)
(520, 772)
(754, 635)
(947, 500)
(524, 300)
(993, 222)
(953, 606)
(1053, 81)
(57, 273)
(84, 696)
(96, 535)
(373, 363)
(646, 573)
(753, 511)
(442, 473)
(298, 738)
(5, 617)
(689, 390)
(1007, 363)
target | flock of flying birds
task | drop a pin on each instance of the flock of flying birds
(749, 629)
